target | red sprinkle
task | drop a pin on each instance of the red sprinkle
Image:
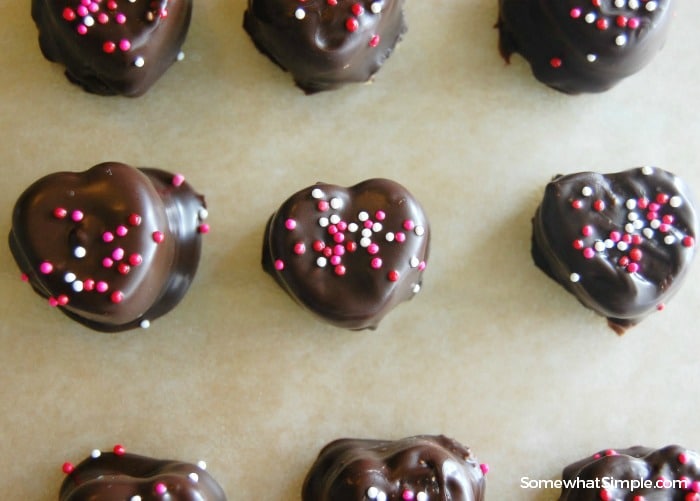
(119, 450)
(60, 213)
(393, 276)
(374, 41)
(109, 46)
(688, 241)
(68, 14)
(636, 254)
(352, 24)
(578, 244)
(556, 62)
(602, 24)
(123, 268)
(135, 259)
(339, 270)
(117, 296)
(158, 236)
(318, 245)
(134, 220)
(67, 468)
(621, 21)
(632, 268)
(357, 9)
(577, 204)
(587, 231)
(598, 205)
(299, 248)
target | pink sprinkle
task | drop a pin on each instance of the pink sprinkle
(203, 228)
(299, 248)
(654, 207)
(667, 219)
(117, 297)
(158, 236)
(685, 481)
(160, 488)
(81, 29)
(101, 286)
(77, 215)
(102, 18)
(94, 7)
(407, 495)
(695, 486)
(408, 225)
(134, 220)
(122, 230)
(85, 2)
(643, 203)
(627, 238)
(279, 265)
(82, 10)
(339, 270)
(135, 259)
(400, 237)
(588, 253)
(338, 250)
(374, 41)
(120, 18)
(342, 226)
(615, 236)
(60, 213)
(62, 300)
(683, 458)
(67, 468)
(290, 224)
(322, 205)
(53, 302)
(575, 13)
(660, 307)
(24, 277)
(178, 179)
(632, 268)
(332, 229)
(484, 468)
(421, 266)
(372, 248)
(376, 263)
(107, 262)
(107, 236)
(596, 455)
(587, 230)
(368, 224)
(125, 45)
(611, 452)
(46, 267)
(339, 238)
(118, 254)
(335, 260)
(664, 228)
(633, 23)
(393, 276)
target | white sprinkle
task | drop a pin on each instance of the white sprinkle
(651, 6)
(389, 236)
(180, 56)
(79, 252)
(632, 216)
(132, 1)
(631, 204)
(78, 286)
(352, 227)
(609, 244)
(299, 13)
(633, 4)
(599, 246)
(620, 40)
(366, 232)
(669, 240)
(194, 477)
(655, 223)
(590, 17)
(317, 193)
(203, 214)
(362, 216)
(202, 464)
(591, 58)
(381, 496)
(95, 453)
(365, 242)
(421, 496)
(323, 222)
(622, 246)
(89, 21)
(139, 62)
(136, 497)
(629, 228)
(419, 230)
(648, 232)
(336, 203)
(619, 3)
(675, 201)
(372, 492)
(69, 277)
(377, 227)
(145, 324)
(647, 171)
(321, 262)
(414, 262)
(376, 7)
(416, 290)
(334, 219)
(586, 191)
(638, 224)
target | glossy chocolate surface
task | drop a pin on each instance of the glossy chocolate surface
(325, 44)
(578, 46)
(621, 243)
(420, 468)
(349, 254)
(113, 247)
(112, 47)
(129, 477)
(637, 474)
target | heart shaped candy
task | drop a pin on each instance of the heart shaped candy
(112, 46)
(113, 247)
(621, 243)
(417, 468)
(326, 43)
(349, 254)
(578, 46)
(121, 475)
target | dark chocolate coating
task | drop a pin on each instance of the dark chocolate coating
(322, 44)
(621, 243)
(112, 48)
(111, 476)
(151, 276)
(374, 272)
(638, 473)
(421, 468)
(575, 46)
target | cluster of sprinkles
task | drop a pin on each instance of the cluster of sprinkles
(628, 19)
(645, 220)
(159, 488)
(366, 233)
(659, 482)
(87, 15)
(354, 17)
(376, 494)
(112, 254)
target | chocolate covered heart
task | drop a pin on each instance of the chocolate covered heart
(621, 243)
(119, 475)
(636, 474)
(418, 468)
(349, 254)
(326, 43)
(580, 46)
(112, 46)
(113, 247)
